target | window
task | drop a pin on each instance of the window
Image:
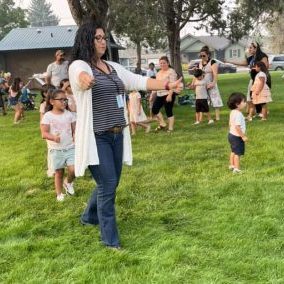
(278, 58)
(235, 53)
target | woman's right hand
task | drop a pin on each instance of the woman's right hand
(57, 138)
(176, 86)
(86, 81)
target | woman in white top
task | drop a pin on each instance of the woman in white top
(102, 139)
(210, 69)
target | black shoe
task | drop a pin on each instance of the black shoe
(85, 223)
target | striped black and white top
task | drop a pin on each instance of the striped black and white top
(106, 112)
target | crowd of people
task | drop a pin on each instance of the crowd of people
(85, 115)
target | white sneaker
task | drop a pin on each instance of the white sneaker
(60, 197)
(231, 168)
(68, 187)
(210, 121)
(237, 171)
(196, 122)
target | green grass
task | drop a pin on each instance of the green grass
(182, 216)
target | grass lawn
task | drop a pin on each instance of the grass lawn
(183, 216)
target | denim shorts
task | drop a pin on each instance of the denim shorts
(59, 159)
(237, 144)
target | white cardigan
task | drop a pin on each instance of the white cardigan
(85, 143)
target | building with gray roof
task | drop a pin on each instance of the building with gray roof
(25, 51)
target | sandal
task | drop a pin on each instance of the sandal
(170, 131)
(160, 127)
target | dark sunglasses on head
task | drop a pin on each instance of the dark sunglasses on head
(63, 100)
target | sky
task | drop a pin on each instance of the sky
(59, 7)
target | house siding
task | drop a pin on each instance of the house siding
(235, 53)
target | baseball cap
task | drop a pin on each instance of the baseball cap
(59, 52)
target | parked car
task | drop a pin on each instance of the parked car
(222, 66)
(276, 62)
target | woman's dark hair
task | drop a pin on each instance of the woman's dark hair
(165, 58)
(205, 49)
(51, 95)
(262, 66)
(62, 83)
(235, 99)
(84, 48)
(44, 90)
(259, 54)
(16, 84)
(197, 73)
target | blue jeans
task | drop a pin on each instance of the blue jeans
(100, 209)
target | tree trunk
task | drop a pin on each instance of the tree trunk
(174, 46)
(138, 52)
(173, 34)
(84, 9)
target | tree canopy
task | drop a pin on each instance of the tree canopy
(40, 14)
(11, 17)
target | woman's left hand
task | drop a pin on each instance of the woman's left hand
(176, 86)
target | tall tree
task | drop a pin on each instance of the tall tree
(81, 9)
(140, 24)
(177, 13)
(11, 17)
(276, 31)
(249, 14)
(40, 14)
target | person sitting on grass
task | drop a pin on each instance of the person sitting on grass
(237, 124)
(58, 128)
(201, 95)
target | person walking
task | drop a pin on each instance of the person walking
(102, 138)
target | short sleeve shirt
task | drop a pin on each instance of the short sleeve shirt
(57, 72)
(60, 124)
(201, 89)
(237, 119)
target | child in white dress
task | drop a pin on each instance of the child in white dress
(58, 128)
(261, 94)
(136, 113)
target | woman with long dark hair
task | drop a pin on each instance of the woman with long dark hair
(102, 138)
(14, 95)
(255, 55)
(261, 94)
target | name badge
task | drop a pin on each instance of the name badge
(120, 101)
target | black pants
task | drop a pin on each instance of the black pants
(160, 102)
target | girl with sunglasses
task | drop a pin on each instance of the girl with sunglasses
(58, 128)
(210, 68)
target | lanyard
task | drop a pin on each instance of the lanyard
(108, 76)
